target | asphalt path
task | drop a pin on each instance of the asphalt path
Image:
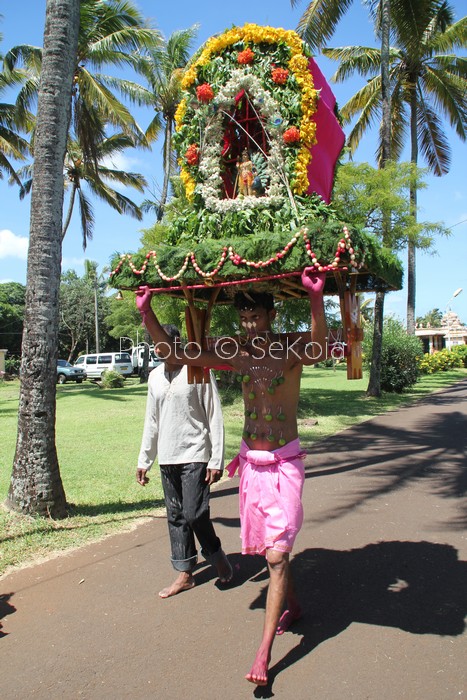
(380, 566)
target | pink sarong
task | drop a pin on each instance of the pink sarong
(270, 493)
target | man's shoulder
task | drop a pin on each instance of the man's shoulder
(156, 373)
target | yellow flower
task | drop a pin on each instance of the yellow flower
(299, 64)
(188, 183)
(300, 185)
(180, 114)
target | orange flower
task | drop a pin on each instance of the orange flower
(292, 135)
(192, 154)
(204, 93)
(245, 56)
(280, 75)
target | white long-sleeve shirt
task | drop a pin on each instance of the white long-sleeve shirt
(183, 421)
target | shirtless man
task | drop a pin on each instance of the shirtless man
(270, 366)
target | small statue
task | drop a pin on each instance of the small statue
(246, 173)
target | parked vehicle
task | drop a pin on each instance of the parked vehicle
(95, 365)
(67, 373)
(137, 355)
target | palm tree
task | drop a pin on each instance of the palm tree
(80, 35)
(163, 68)
(96, 175)
(316, 26)
(36, 486)
(111, 33)
(428, 82)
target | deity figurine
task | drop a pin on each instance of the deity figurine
(246, 172)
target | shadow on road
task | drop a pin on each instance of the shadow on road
(418, 587)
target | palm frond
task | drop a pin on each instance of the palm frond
(24, 55)
(432, 139)
(86, 216)
(121, 44)
(137, 94)
(117, 201)
(135, 180)
(319, 20)
(154, 128)
(454, 37)
(363, 60)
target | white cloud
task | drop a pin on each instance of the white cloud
(72, 263)
(121, 161)
(12, 246)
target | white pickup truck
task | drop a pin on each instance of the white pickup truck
(137, 358)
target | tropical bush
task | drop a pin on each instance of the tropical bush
(399, 357)
(461, 351)
(441, 361)
(12, 365)
(112, 380)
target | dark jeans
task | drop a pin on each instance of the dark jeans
(187, 501)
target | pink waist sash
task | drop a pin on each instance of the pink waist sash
(264, 458)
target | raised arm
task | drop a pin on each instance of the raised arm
(172, 350)
(314, 284)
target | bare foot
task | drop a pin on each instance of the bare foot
(224, 570)
(259, 670)
(183, 582)
(288, 618)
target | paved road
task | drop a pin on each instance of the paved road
(380, 564)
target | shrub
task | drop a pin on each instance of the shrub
(112, 380)
(461, 351)
(399, 356)
(440, 361)
(12, 365)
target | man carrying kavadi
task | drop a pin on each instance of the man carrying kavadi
(270, 460)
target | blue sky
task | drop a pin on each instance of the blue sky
(445, 199)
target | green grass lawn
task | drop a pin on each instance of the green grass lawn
(98, 438)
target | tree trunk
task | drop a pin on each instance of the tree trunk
(144, 369)
(167, 164)
(374, 384)
(36, 486)
(411, 274)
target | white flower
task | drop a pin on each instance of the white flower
(267, 108)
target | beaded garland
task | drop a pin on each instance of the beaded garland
(344, 246)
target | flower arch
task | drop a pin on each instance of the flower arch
(272, 67)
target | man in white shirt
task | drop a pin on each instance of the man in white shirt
(184, 429)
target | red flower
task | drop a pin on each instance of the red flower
(245, 56)
(292, 135)
(204, 93)
(280, 75)
(192, 154)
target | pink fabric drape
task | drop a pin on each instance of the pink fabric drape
(330, 138)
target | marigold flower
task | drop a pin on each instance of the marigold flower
(280, 75)
(291, 135)
(245, 56)
(204, 93)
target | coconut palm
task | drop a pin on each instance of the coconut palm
(316, 26)
(97, 175)
(80, 35)
(163, 68)
(428, 83)
(36, 486)
(112, 33)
